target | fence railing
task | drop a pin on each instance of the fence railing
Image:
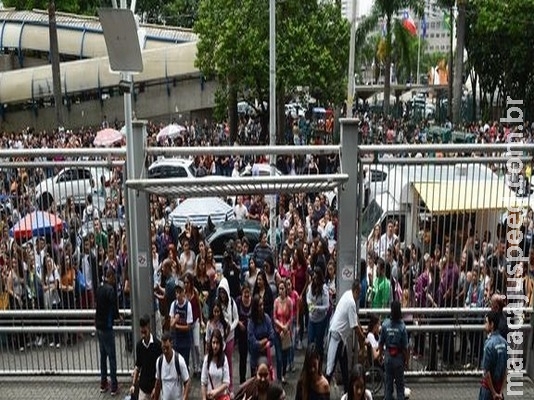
(58, 342)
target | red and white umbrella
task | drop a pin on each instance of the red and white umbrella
(107, 137)
(170, 131)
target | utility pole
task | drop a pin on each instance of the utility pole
(54, 59)
(352, 56)
(272, 114)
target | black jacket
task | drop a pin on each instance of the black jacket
(107, 309)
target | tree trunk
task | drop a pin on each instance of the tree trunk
(387, 70)
(459, 65)
(232, 110)
(450, 66)
(54, 58)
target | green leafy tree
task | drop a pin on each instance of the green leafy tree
(388, 10)
(312, 49)
(87, 7)
(499, 45)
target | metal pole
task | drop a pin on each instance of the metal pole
(272, 112)
(352, 56)
(131, 204)
(54, 59)
(419, 50)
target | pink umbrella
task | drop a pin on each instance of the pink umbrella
(107, 137)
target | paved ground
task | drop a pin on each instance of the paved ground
(59, 388)
(50, 387)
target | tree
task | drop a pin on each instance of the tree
(312, 49)
(87, 7)
(388, 9)
(499, 45)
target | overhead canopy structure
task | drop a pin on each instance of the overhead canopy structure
(79, 36)
(79, 76)
(465, 195)
(220, 186)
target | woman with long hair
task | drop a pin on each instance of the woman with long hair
(252, 273)
(282, 316)
(67, 281)
(215, 376)
(216, 321)
(312, 385)
(318, 301)
(192, 296)
(263, 290)
(260, 333)
(256, 388)
(299, 272)
(244, 305)
(357, 384)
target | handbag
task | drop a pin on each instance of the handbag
(285, 338)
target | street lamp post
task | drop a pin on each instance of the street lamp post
(272, 112)
(352, 56)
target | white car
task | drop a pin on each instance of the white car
(172, 168)
(71, 182)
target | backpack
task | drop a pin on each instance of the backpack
(176, 364)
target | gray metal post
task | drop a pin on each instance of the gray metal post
(348, 209)
(138, 213)
(272, 117)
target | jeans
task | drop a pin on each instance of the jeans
(394, 369)
(195, 340)
(337, 351)
(106, 343)
(316, 332)
(281, 357)
(293, 342)
(242, 344)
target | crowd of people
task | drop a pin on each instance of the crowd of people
(268, 302)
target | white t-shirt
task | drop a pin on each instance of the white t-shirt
(213, 377)
(367, 395)
(240, 211)
(372, 340)
(345, 318)
(171, 386)
(189, 318)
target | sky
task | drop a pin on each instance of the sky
(364, 7)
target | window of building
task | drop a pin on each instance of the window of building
(432, 25)
(438, 25)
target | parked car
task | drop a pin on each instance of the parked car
(172, 168)
(219, 237)
(75, 182)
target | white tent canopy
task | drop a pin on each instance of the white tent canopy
(198, 210)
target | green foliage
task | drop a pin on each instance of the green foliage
(311, 42)
(87, 7)
(499, 43)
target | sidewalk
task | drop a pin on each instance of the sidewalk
(60, 388)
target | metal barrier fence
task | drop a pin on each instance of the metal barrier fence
(449, 341)
(59, 342)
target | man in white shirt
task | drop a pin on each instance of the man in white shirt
(387, 240)
(240, 209)
(343, 323)
(172, 375)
